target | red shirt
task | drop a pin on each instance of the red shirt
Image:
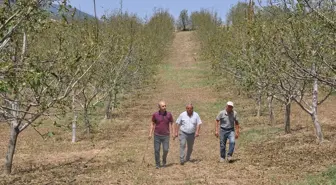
(162, 121)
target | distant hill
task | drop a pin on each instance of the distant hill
(53, 9)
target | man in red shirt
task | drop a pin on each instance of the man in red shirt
(161, 126)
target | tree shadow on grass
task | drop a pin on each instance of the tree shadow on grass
(46, 167)
(64, 172)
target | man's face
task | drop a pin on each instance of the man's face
(229, 108)
(162, 106)
(190, 109)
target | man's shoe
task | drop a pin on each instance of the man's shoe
(182, 163)
(221, 160)
(229, 158)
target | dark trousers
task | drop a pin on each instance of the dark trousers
(158, 140)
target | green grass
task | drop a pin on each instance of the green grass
(325, 178)
(258, 134)
(189, 78)
(333, 93)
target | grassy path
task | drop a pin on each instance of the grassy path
(184, 78)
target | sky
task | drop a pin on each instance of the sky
(144, 8)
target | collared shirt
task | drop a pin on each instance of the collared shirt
(227, 120)
(162, 121)
(188, 124)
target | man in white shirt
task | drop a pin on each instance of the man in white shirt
(188, 125)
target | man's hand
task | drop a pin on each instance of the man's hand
(150, 137)
(196, 134)
(237, 135)
(175, 136)
(216, 134)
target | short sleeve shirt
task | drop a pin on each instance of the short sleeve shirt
(227, 120)
(188, 124)
(162, 121)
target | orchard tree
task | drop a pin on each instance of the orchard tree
(34, 80)
(183, 22)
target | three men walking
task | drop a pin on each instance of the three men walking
(187, 128)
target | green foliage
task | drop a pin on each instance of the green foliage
(44, 61)
(130, 51)
(237, 14)
(279, 44)
(277, 50)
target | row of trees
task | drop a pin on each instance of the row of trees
(51, 67)
(283, 51)
(186, 22)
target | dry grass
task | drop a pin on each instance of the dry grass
(119, 152)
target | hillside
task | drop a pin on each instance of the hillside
(78, 14)
(54, 11)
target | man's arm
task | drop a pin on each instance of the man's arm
(217, 124)
(177, 128)
(237, 129)
(151, 130)
(197, 130)
(199, 122)
(172, 128)
(217, 128)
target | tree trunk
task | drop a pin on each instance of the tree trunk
(11, 148)
(317, 125)
(270, 109)
(287, 117)
(259, 104)
(86, 120)
(183, 24)
(108, 114)
(115, 100)
(74, 121)
(14, 132)
(74, 125)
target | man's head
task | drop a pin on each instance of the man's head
(229, 106)
(189, 108)
(162, 106)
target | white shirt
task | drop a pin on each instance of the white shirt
(188, 124)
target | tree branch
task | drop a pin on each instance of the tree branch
(326, 97)
(302, 107)
(323, 17)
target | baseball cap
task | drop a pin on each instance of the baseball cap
(230, 103)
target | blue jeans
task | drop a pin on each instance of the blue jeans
(186, 139)
(224, 135)
(158, 140)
